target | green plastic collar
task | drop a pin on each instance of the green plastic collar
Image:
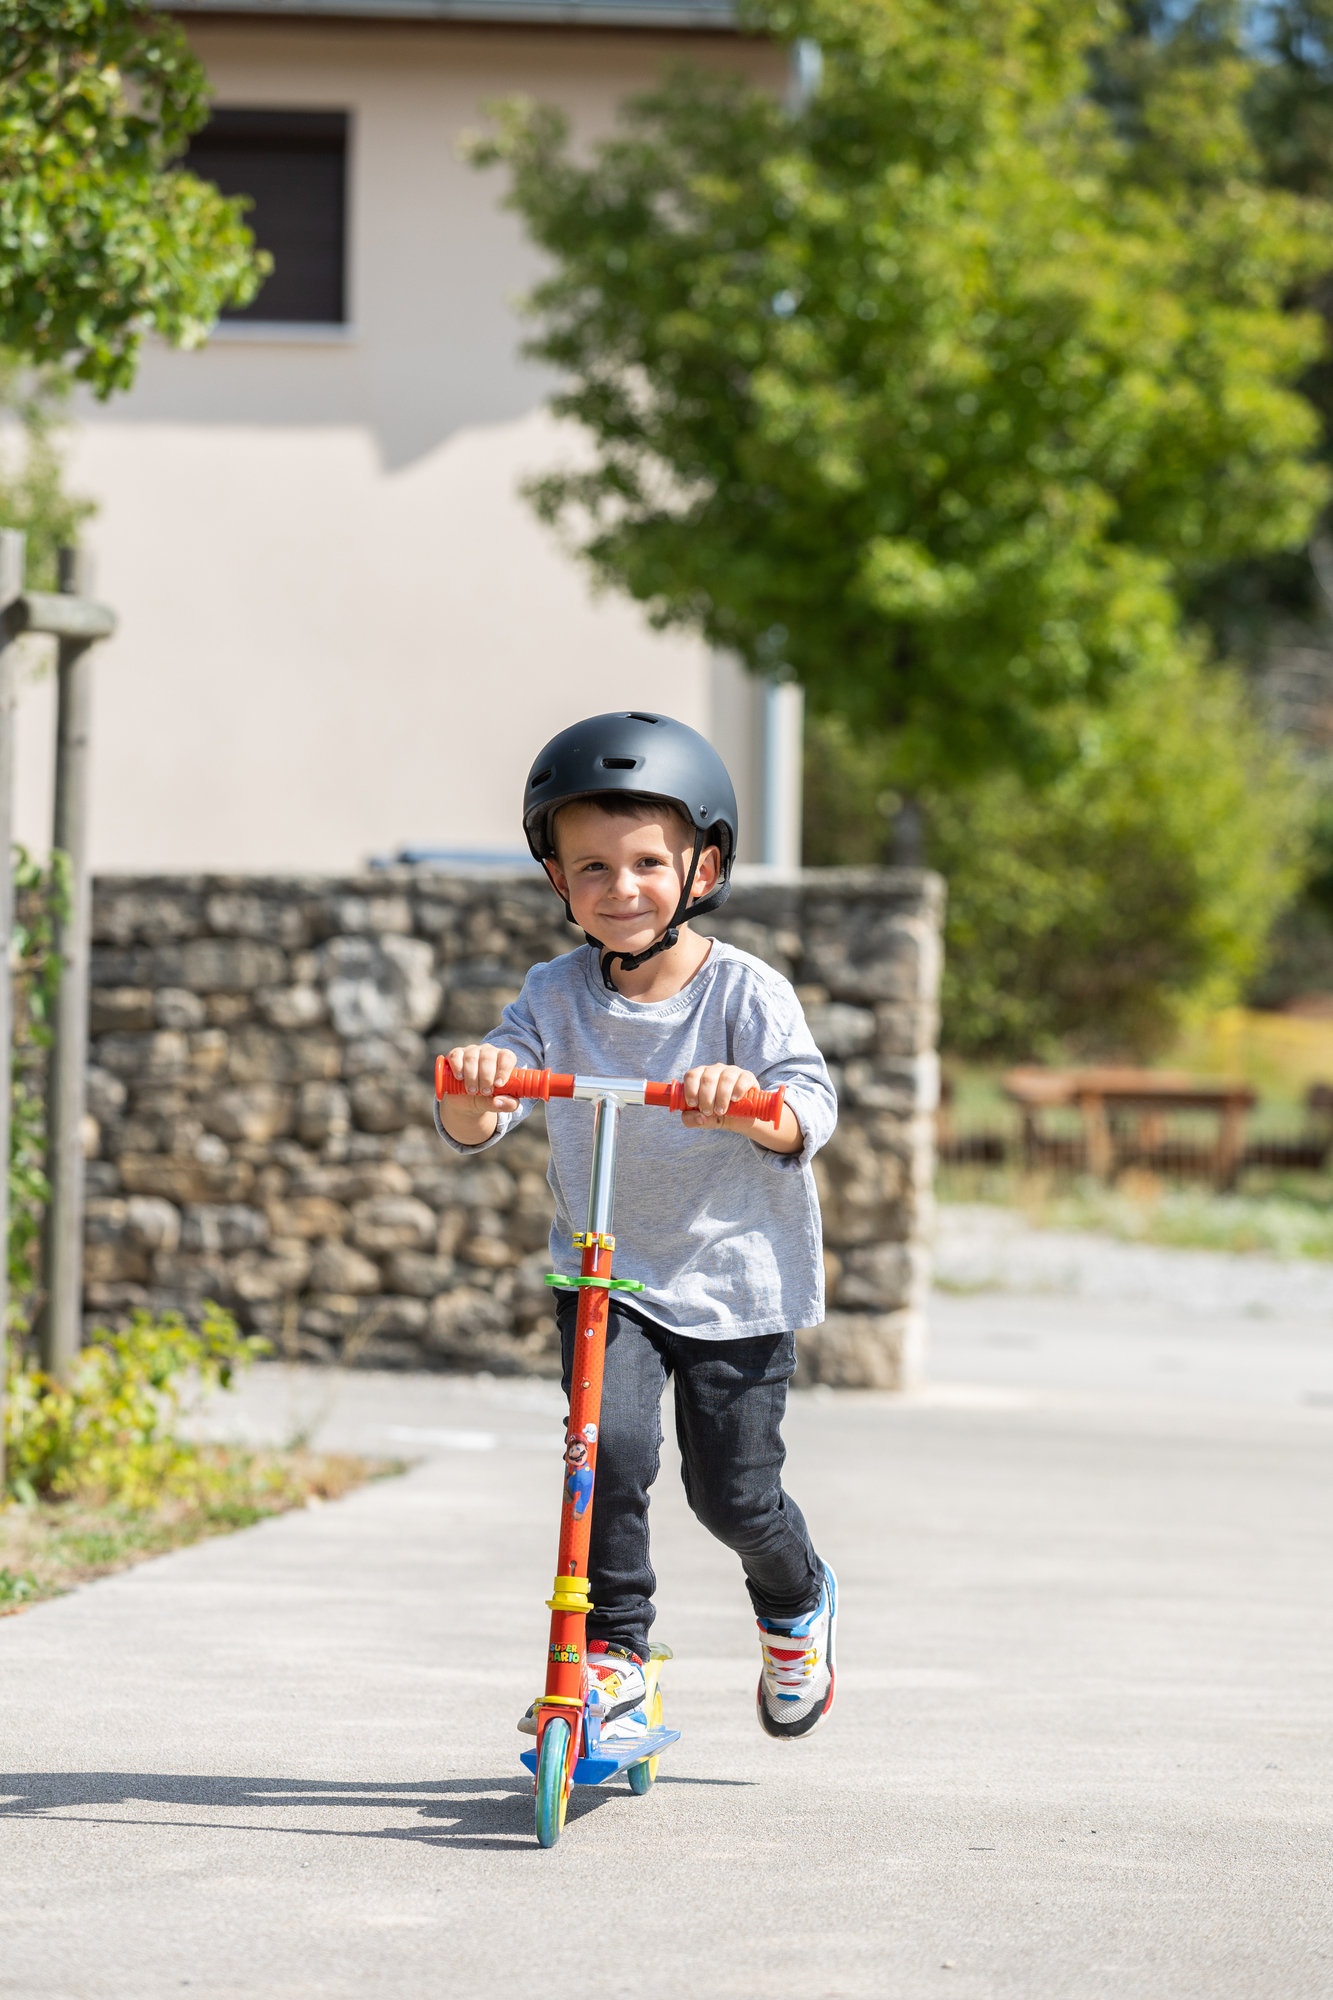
(565, 1284)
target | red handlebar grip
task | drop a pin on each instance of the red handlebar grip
(765, 1105)
(543, 1083)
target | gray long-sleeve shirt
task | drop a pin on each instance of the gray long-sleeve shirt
(725, 1235)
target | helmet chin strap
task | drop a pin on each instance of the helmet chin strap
(630, 961)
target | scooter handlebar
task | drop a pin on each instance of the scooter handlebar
(763, 1105)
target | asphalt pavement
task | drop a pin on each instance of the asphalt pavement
(1080, 1746)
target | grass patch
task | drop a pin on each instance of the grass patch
(1275, 1215)
(49, 1546)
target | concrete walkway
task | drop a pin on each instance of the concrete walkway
(1080, 1747)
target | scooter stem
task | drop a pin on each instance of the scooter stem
(566, 1670)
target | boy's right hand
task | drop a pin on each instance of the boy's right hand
(483, 1071)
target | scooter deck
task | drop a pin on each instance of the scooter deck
(596, 1770)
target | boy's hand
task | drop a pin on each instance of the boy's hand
(709, 1090)
(483, 1071)
(713, 1086)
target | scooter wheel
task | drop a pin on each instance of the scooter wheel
(642, 1775)
(552, 1791)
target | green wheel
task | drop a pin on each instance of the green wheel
(641, 1775)
(552, 1791)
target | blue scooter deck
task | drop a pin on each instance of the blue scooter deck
(596, 1770)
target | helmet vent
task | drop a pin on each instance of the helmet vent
(621, 763)
(634, 716)
(539, 778)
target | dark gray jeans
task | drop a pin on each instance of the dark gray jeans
(730, 1399)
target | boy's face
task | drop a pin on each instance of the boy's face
(622, 878)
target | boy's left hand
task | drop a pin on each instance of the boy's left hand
(711, 1089)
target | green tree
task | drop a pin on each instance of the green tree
(101, 239)
(32, 489)
(938, 391)
(1093, 914)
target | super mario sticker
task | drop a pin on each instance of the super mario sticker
(565, 1656)
(578, 1481)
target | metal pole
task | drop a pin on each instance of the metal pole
(60, 1325)
(12, 558)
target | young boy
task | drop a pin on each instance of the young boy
(634, 819)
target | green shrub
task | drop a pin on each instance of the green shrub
(1141, 886)
(1093, 914)
(111, 1432)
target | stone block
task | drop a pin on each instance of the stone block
(337, 1267)
(106, 1094)
(863, 1351)
(393, 1222)
(375, 986)
(840, 1030)
(323, 1113)
(220, 965)
(143, 913)
(226, 1009)
(392, 1316)
(309, 1215)
(364, 915)
(470, 1012)
(420, 1275)
(124, 1010)
(884, 1277)
(490, 1253)
(164, 1054)
(274, 919)
(264, 1055)
(222, 1229)
(279, 1274)
(257, 1112)
(460, 1318)
(477, 1183)
(388, 1103)
(185, 1180)
(177, 1007)
(906, 1028)
(376, 1055)
(354, 1182)
(187, 1278)
(291, 1006)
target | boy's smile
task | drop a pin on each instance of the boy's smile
(623, 879)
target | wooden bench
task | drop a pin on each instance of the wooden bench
(1123, 1114)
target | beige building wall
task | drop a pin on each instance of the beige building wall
(341, 628)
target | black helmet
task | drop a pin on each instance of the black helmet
(637, 752)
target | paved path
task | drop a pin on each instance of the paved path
(1080, 1747)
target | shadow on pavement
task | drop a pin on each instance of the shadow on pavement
(459, 1812)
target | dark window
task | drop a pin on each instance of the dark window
(293, 165)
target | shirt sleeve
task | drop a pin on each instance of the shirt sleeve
(774, 1041)
(519, 1033)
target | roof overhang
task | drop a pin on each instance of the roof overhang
(712, 15)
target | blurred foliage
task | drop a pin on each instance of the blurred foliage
(1094, 914)
(938, 391)
(41, 894)
(101, 239)
(32, 494)
(111, 1432)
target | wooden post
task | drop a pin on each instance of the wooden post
(12, 558)
(1097, 1136)
(60, 1324)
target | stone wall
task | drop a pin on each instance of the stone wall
(260, 1109)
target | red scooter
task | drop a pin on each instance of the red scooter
(569, 1748)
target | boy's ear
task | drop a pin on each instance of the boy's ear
(558, 879)
(707, 874)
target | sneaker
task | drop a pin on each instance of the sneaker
(796, 1684)
(618, 1691)
(616, 1687)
